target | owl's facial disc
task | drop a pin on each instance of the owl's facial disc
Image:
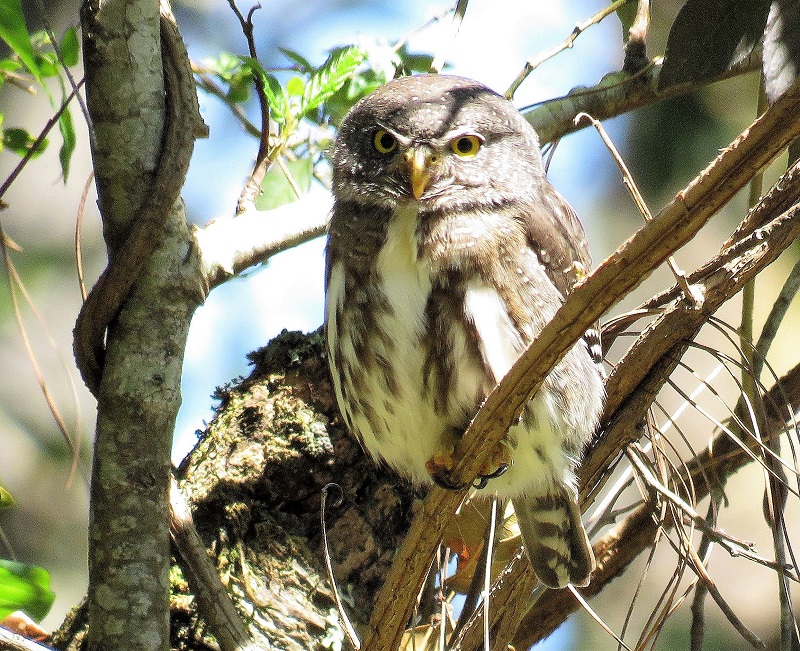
(421, 163)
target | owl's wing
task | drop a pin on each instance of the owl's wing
(557, 237)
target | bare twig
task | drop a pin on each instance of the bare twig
(253, 185)
(775, 317)
(352, 636)
(53, 121)
(441, 56)
(15, 284)
(567, 43)
(691, 294)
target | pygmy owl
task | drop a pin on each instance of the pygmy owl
(448, 253)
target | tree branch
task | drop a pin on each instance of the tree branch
(153, 271)
(230, 245)
(632, 386)
(617, 93)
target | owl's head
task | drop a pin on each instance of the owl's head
(438, 140)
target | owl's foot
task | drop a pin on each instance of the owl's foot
(482, 480)
(440, 467)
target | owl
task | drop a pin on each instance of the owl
(448, 252)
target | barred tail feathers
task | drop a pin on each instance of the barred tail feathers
(555, 540)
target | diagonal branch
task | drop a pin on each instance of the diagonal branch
(615, 94)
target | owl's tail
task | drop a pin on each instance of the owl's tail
(555, 540)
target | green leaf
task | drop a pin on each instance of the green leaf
(331, 76)
(276, 189)
(276, 96)
(298, 59)
(709, 37)
(67, 130)
(69, 47)
(5, 498)
(26, 588)
(48, 63)
(14, 32)
(626, 14)
(20, 141)
(9, 65)
(295, 86)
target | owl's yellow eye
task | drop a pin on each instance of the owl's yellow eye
(384, 142)
(466, 146)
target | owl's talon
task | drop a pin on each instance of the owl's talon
(443, 479)
(483, 480)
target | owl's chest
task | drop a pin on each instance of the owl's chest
(388, 387)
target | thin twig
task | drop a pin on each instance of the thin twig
(14, 283)
(352, 636)
(487, 574)
(78, 222)
(690, 293)
(253, 185)
(441, 55)
(567, 43)
(53, 121)
(775, 317)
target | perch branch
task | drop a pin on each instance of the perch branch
(643, 371)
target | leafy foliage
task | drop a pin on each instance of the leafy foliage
(708, 37)
(43, 59)
(14, 32)
(24, 587)
(305, 103)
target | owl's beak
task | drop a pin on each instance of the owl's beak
(419, 162)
